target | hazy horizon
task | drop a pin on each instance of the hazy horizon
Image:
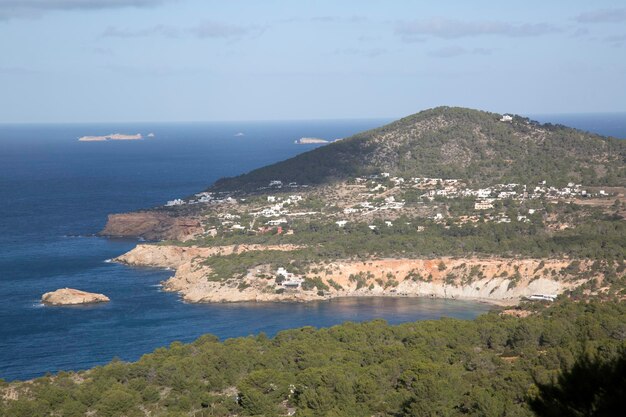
(191, 60)
(337, 119)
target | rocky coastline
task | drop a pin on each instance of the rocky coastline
(500, 281)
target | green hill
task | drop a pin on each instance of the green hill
(452, 142)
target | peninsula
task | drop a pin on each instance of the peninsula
(448, 203)
(112, 136)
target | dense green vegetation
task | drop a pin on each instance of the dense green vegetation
(448, 142)
(492, 366)
(601, 239)
(594, 386)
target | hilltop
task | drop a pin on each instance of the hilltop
(454, 142)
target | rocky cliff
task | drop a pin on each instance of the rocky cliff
(496, 280)
(152, 225)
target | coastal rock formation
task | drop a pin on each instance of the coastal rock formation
(152, 225)
(71, 296)
(190, 279)
(171, 256)
(496, 280)
(191, 282)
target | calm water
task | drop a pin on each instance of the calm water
(56, 192)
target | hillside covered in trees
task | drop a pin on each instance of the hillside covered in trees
(451, 142)
(495, 365)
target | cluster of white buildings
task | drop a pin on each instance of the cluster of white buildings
(203, 198)
(454, 188)
(572, 190)
(278, 184)
(514, 191)
(366, 207)
(279, 208)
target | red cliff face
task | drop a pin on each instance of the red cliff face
(152, 226)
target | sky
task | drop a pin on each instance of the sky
(207, 60)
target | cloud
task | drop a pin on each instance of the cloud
(370, 53)
(213, 29)
(103, 51)
(157, 30)
(616, 40)
(34, 8)
(454, 51)
(156, 71)
(368, 38)
(355, 19)
(580, 32)
(17, 71)
(453, 29)
(603, 16)
(204, 30)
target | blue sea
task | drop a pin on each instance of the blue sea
(55, 194)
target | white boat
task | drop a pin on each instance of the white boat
(541, 297)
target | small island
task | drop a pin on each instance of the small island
(71, 296)
(310, 141)
(112, 136)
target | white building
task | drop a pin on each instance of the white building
(289, 280)
(175, 202)
(483, 205)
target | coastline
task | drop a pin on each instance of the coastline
(493, 284)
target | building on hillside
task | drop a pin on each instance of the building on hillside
(289, 280)
(483, 205)
(175, 202)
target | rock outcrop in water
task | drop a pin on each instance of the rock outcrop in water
(112, 136)
(71, 296)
